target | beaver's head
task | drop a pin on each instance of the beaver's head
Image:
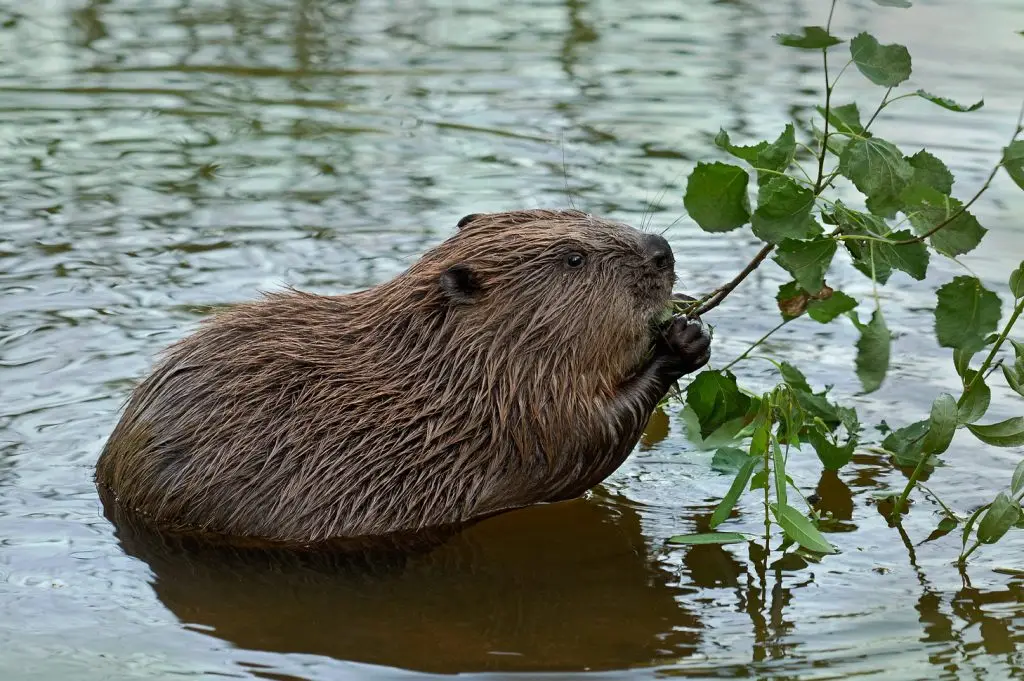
(539, 279)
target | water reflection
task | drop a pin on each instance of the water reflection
(568, 586)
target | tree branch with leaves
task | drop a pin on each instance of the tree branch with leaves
(909, 217)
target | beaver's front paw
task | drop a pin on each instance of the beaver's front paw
(685, 344)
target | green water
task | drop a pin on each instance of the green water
(158, 156)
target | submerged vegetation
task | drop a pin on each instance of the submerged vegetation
(909, 217)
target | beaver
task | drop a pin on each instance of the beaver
(517, 362)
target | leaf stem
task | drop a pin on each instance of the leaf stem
(995, 347)
(818, 186)
(911, 483)
(881, 105)
(988, 181)
(722, 291)
(945, 508)
(963, 557)
(957, 213)
(760, 340)
(767, 506)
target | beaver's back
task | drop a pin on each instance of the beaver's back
(267, 422)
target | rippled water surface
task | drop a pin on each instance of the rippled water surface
(161, 156)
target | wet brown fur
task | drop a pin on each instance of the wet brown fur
(490, 375)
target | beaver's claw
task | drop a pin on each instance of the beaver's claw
(686, 343)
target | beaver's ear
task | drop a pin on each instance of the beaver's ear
(460, 284)
(468, 219)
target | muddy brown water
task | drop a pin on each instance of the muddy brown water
(161, 156)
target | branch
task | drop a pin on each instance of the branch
(881, 105)
(722, 291)
(818, 186)
(956, 214)
(719, 294)
(963, 209)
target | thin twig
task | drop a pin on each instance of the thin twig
(956, 214)
(828, 103)
(762, 339)
(963, 209)
(722, 291)
(881, 105)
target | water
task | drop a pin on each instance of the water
(158, 157)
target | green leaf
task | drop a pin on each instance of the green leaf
(928, 208)
(801, 530)
(832, 415)
(877, 168)
(779, 464)
(1015, 374)
(966, 313)
(885, 65)
(949, 104)
(708, 538)
(962, 356)
(747, 153)
(844, 119)
(1008, 433)
(946, 525)
(930, 171)
(941, 426)
(807, 261)
(1013, 161)
(970, 524)
(776, 156)
(1017, 282)
(1000, 517)
(974, 402)
(761, 430)
(911, 258)
(759, 481)
(812, 38)
(789, 413)
(794, 377)
(1017, 486)
(867, 257)
(906, 443)
(716, 197)
(739, 483)
(872, 351)
(1015, 377)
(784, 211)
(824, 310)
(832, 456)
(728, 459)
(724, 435)
(715, 399)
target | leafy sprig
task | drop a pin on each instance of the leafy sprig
(910, 217)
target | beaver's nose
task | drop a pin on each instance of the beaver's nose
(658, 252)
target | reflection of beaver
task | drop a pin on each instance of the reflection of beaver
(514, 363)
(568, 586)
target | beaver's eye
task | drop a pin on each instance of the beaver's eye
(575, 260)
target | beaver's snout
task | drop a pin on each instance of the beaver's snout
(658, 252)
